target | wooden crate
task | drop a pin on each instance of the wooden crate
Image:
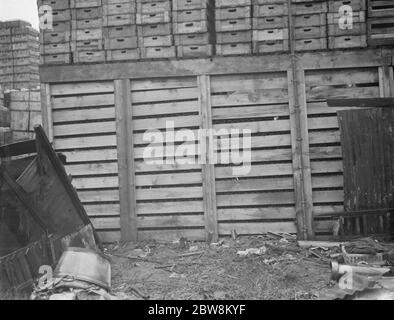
(55, 48)
(87, 45)
(121, 43)
(305, 7)
(156, 41)
(61, 58)
(270, 10)
(193, 38)
(86, 13)
(234, 37)
(232, 3)
(89, 56)
(87, 24)
(158, 52)
(153, 7)
(19, 54)
(178, 5)
(122, 54)
(270, 35)
(191, 27)
(233, 49)
(348, 41)
(86, 34)
(193, 51)
(310, 32)
(381, 31)
(119, 20)
(153, 18)
(357, 27)
(356, 5)
(119, 8)
(233, 25)
(85, 3)
(55, 37)
(159, 29)
(119, 31)
(380, 8)
(61, 15)
(276, 22)
(191, 15)
(54, 4)
(231, 13)
(310, 20)
(311, 44)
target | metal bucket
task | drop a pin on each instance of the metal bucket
(84, 265)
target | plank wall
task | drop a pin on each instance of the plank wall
(89, 120)
(84, 130)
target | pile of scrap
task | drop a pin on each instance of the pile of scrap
(41, 214)
(360, 269)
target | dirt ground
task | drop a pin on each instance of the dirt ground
(194, 270)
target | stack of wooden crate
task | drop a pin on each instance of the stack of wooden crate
(193, 25)
(19, 55)
(154, 29)
(347, 24)
(5, 131)
(25, 110)
(310, 24)
(55, 35)
(270, 26)
(380, 22)
(87, 31)
(233, 23)
(120, 30)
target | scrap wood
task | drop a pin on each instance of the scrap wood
(283, 249)
(191, 254)
(318, 244)
(136, 258)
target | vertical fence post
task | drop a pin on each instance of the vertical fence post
(208, 167)
(126, 169)
(300, 153)
(46, 110)
(386, 81)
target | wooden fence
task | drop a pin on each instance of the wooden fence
(97, 114)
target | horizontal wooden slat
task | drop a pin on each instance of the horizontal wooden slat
(169, 193)
(160, 109)
(84, 128)
(257, 170)
(171, 235)
(248, 82)
(171, 221)
(106, 223)
(102, 209)
(178, 136)
(319, 210)
(142, 166)
(170, 207)
(266, 198)
(109, 236)
(85, 142)
(165, 83)
(324, 92)
(328, 196)
(161, 123)
(98, 196)
(81, 88)
(168, 179)
(256, 228)
(83, 101)
(164, 95)
(335, 181)
(95, 182)
(260, 141)
(83, 115)
(250, 112)
(326, 166)
(256, 213)
(90, 155)
(323, 123)
(255, 126)
(325, 152)
(321, 137)
(250, 97)
(260, 184)
(339, 77)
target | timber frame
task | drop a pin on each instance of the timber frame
(381, 58)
